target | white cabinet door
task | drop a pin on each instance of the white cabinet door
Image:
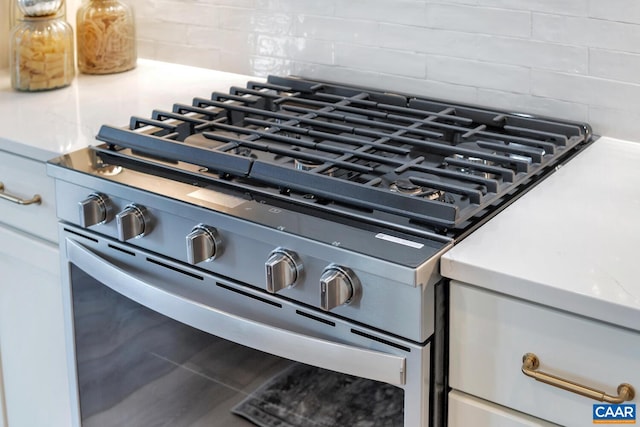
(490, 333)
(32, 344)
(466, 410)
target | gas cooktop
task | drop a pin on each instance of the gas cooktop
(390, 159)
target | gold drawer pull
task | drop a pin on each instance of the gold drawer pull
(35, 199)
(530, 364)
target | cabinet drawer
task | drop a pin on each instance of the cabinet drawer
(24, 178)
(465, 411)
(490, 333)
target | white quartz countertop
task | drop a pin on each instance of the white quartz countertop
(572, 243)
(43, 125)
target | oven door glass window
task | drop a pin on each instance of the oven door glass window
(137, 367)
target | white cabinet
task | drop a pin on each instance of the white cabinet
(466, 410)
(32, 343)
(490, 333)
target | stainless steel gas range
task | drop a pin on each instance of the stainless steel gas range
(294, 222)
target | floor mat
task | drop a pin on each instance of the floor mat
(306, 396)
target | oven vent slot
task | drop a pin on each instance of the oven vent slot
(176, 269)
(380, 340)
(124, 251)
(316, 318)
(247, 294)
(81, 235)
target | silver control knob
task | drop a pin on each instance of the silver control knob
(338, 286)
(133, 222)
(95, 209)
(203, 244)
(283, 269)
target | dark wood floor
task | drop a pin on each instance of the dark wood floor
(138, 368)
(199, 392)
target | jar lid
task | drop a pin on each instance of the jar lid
(39, 7)
(44, 18)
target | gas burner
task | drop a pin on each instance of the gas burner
(305, 165)
(405, 186)
(102, 168)
(109, 170)
(437, 195)
(471, 170)
(472, 159)
(244, 151)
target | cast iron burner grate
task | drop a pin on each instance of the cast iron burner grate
(425, 160)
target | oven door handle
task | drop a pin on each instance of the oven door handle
(348, 359)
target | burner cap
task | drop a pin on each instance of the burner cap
(405, 186)
(305, 165)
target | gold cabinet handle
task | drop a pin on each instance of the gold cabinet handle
(35, 199)
(530, 364)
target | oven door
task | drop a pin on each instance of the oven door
(154, 342)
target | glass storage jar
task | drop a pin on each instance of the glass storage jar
(41, 54)
(106, 37)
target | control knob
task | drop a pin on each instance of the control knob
(133, 222)
(95, 209)
(203, 244)
(338, 286)
(283, 269)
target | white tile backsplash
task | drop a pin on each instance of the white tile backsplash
(590, 32)
(576, 59)
(406, 12)
(559, 7)
(615, 10)
(307, 7)
(538, 105)
(197, 14)
(170, 33)
(524, 52)
(336, 29)
(611, 121)
(592, 91)
(615, 65)
(479, 73)
(474, 19)
(382, 60)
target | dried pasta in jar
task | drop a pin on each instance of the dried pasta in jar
(106, 37)
(41, 54)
